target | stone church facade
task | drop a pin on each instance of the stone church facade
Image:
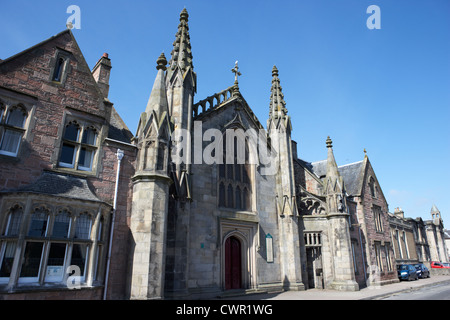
(89, 210)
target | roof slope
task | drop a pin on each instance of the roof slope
(61, 185)
(118, 130)
(353, 174)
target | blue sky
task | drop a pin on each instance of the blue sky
(385, 90)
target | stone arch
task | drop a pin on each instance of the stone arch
(229, 263)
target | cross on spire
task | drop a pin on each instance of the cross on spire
(236, 72)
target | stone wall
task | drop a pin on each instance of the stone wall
(28, 78)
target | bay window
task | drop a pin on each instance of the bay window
(49, 240)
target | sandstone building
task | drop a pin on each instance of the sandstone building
(90, 210)
(418, 240)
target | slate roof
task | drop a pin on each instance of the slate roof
(118, 129)
(351, 173)
(52, 183)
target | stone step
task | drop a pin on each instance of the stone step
(240, 292)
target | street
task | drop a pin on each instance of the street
(440, 291)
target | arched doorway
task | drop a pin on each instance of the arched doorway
(233, 264)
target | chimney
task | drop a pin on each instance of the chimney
(399, 213)
(101, 73)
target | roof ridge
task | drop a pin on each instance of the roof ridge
(349, 164)
(33, 47)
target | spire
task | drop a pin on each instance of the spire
(334, 184)
(435, 214)
(277, 103)
(158, 99)
(434, 209)
(182, 53)
(332, 168)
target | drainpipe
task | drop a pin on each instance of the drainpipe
(362, 253)
(119, 155)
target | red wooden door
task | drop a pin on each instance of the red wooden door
(232, 264)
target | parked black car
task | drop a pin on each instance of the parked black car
(407, 272)
(422, 271)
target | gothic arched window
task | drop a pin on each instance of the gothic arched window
(372, 187)
(234, 183)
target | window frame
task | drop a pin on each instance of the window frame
(378, 218)
(64, 68)
(5, 114)
(80, 145)
(93, 246)
(227, 178)
(372, 187)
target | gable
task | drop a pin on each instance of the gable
(305, 177)
(31, 72)
(233, 114)
(351, 173)
(370, 173)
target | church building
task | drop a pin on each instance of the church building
(202, 201)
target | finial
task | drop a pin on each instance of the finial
(236, 72)
(161, 62)
(329, 142)
(365, 152)
(184, 15)
(274, 71)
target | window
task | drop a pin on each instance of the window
(13, 222)
(234, 178)
(59, 68)
(160, 162)
(39, 223)
(372, 187)
(79, 146)
(83, 226)
(6, 260)
(12, 128)
(378, 256)
(405, 242)
(54, 239)
(8, 247)
(387, 249)
(378, 219)
(34, 249)
(400, 250)
(61, 226)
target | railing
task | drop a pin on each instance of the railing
(212, 101)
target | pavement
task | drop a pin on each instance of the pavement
(370, 293)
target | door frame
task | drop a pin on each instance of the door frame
(245, 233)
(232, 263)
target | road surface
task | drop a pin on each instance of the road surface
(440, 291)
